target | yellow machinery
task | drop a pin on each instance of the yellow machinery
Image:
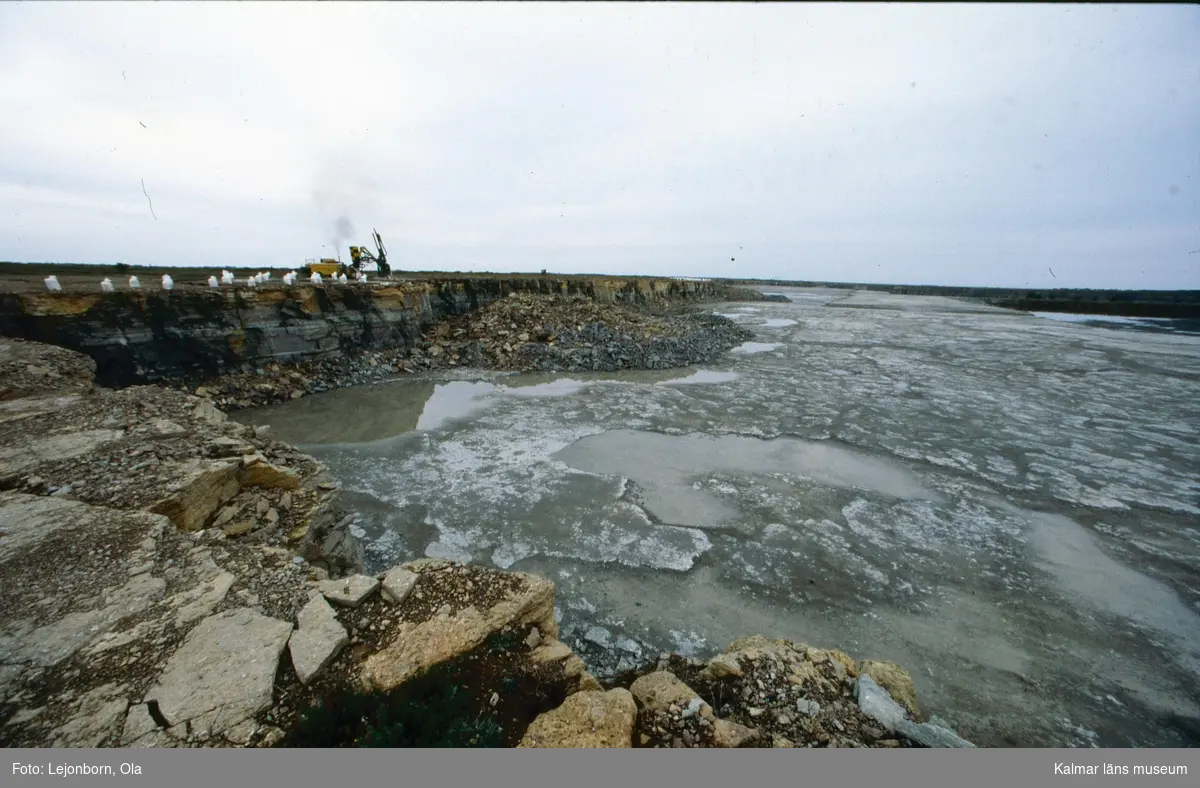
(361, 254)
(326, 267)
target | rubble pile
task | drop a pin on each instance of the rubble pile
(274, 383)
(31, 368)
(548, 333)
(524, 332)
(764, 692)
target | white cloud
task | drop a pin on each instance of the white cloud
(977, 144)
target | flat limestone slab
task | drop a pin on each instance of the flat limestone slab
(894, 679)
(397, 584)
(318, 640)
(224, 672)
(79, 557)
(15, 460)
(349, 591)
(875, 702)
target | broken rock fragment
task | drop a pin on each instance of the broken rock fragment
(397, 584)
(317, 641)
(223, 673)
(264, 474)
(730, 735)
(895, 680)
(201, 487)
(657, 691)
(586, 719)
(349, 591)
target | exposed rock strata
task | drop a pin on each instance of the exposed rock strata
(148, 335)
(520, 333)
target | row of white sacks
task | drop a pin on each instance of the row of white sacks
(227, 278)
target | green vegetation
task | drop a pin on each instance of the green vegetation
(486, 698)
(433, 710)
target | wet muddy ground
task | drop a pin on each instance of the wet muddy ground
(1007, 504)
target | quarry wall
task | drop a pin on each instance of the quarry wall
(139, 336)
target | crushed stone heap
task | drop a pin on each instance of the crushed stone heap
(551, 333)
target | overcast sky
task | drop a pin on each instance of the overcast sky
(973, 144)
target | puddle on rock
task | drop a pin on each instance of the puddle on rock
(703, 376)
(555, 388)
(750, 348)
(665, 466)
(359, 415)
(1071, 553)
(454, 400)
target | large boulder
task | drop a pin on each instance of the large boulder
(586, 719)
(260, 473)
(723, 666)
(728, 734)
(451, 610)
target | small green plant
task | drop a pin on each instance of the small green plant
(501, 642)
(432, 710)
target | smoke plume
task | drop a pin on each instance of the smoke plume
(343, 232)
(341, 189)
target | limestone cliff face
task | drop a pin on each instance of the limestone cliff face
(147, 335)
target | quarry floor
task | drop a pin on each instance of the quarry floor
(1006, 504)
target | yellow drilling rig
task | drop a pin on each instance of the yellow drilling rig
(360, 258)
(360, 255)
